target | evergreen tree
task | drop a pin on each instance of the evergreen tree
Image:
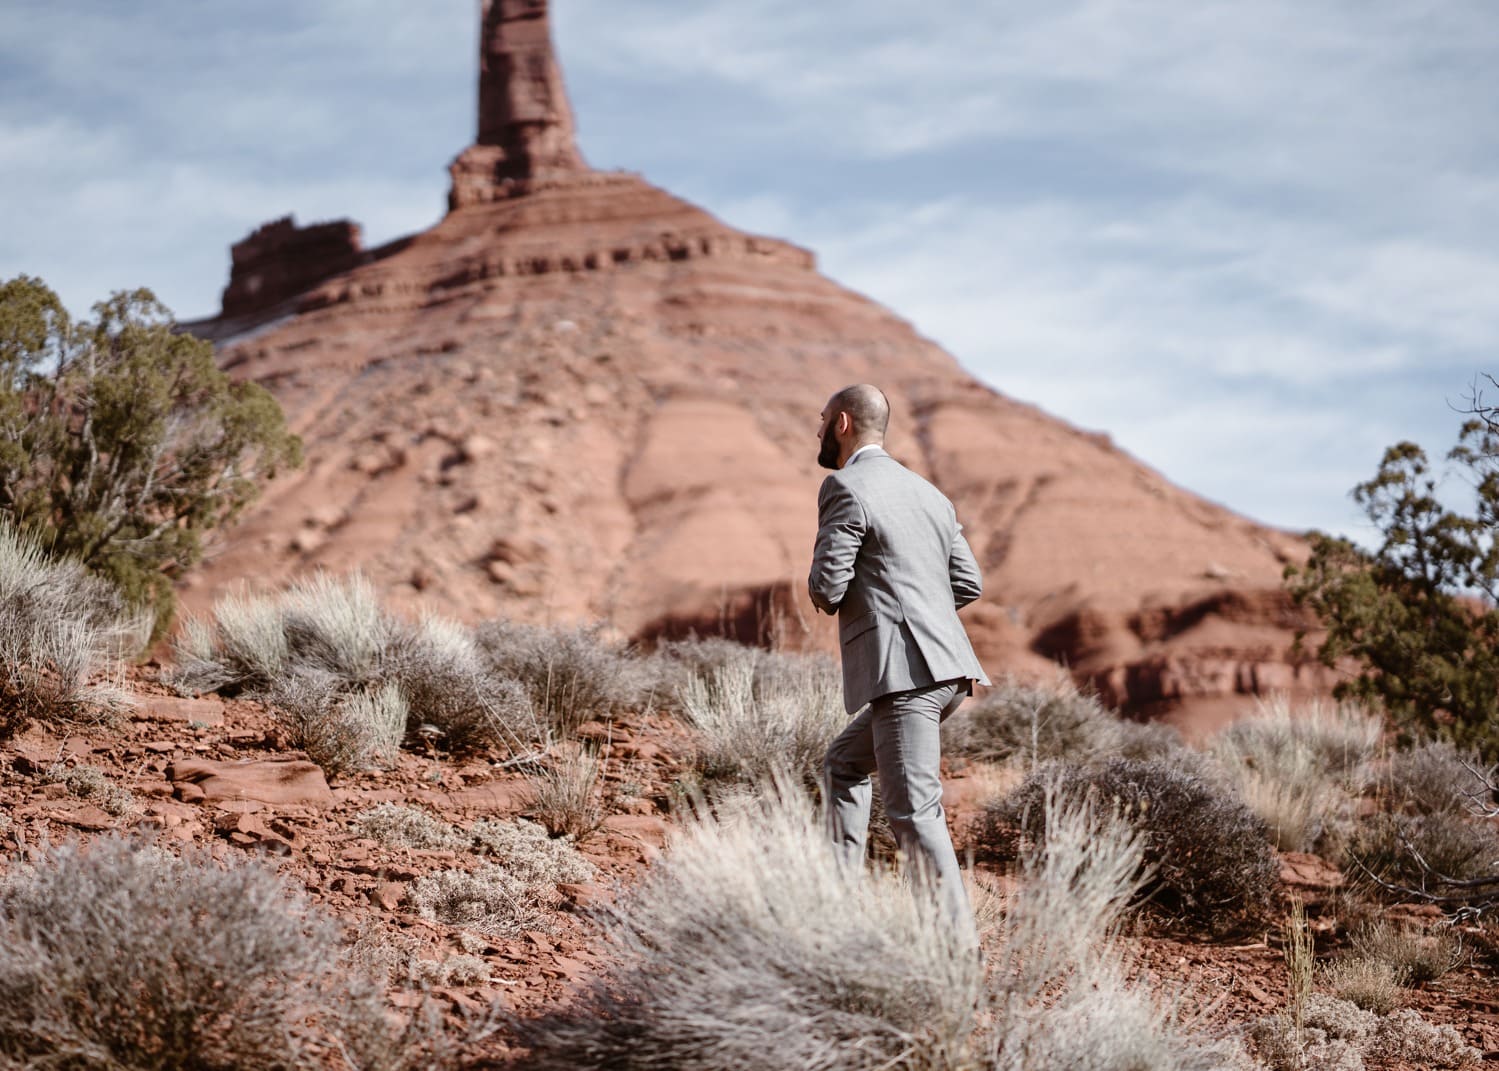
(121, 443)
(1418, 614)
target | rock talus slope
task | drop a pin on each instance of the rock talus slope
(578, 396)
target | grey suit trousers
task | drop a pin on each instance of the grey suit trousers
(898, 735)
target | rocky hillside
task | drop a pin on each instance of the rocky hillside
(580, 397)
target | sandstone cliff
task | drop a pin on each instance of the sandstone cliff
(581, 397)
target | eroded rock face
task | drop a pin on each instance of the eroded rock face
(580, 397)
(281, 260)
(526, 131)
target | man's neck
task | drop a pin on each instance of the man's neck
(859, 450)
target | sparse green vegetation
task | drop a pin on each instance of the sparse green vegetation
(1427, 651)
(121, 443)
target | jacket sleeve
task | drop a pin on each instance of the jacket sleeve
(841, 525)
(963, 569)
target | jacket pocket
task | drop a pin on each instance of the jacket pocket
(855, 627)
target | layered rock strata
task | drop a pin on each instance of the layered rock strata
(581, 397)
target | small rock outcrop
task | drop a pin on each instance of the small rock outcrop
(280, 260)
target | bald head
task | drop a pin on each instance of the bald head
(868, 409)
(856, 416)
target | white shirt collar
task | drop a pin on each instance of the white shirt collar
(860, 450)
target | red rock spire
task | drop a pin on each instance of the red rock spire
(526, 128)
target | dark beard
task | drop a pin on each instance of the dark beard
(827, 457)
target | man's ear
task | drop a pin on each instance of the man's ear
(845, 423)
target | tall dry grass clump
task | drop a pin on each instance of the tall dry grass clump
(1436, 777)
(63, 634)
(1208, 857)
(1300, 769)
(572, 675)
(759, 711)
(750, 948)
(123, 956)
(351, 679)
(1026, 723)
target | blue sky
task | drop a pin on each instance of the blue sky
(1255, 241)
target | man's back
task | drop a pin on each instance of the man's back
(892, 561)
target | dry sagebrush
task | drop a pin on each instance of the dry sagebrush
(351, 679)
(63, 632)
(514, 892)
(571, 675)
(120, 956)
(1337, 1035)
(758, 712)
(750, 948)
(1435, 777)
(1300, 768)
(1208, 855)
(1027, 723)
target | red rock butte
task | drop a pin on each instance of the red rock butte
(579, 397)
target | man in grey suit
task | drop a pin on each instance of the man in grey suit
(892, 563)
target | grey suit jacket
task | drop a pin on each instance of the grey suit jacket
(892, 562)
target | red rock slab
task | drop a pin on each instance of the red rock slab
(645, 828)
(168, 708)
(278, 781)
(1306, 871)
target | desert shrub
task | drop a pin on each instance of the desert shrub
(569, 793)
(1413, 954)
(572, 675)
(748, 947)
(1334, 1036)
(524, 849)
(122, 444)
(761, 712)
(1427, 652)
(1406, 1036)
(352, 679)
(122, 956)
(1299, 769)
(1369, 983)
(1338, 1035)
(679, 659)
(61, 630)
(341, 731)
(397, 825)
(456, 694)
(457, 970)
(490, 899)
(91, 784)
(1434, 777)
(1030, 723)
(1209, 857)
(1419, 850)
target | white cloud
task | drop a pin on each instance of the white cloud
(1252, 241)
